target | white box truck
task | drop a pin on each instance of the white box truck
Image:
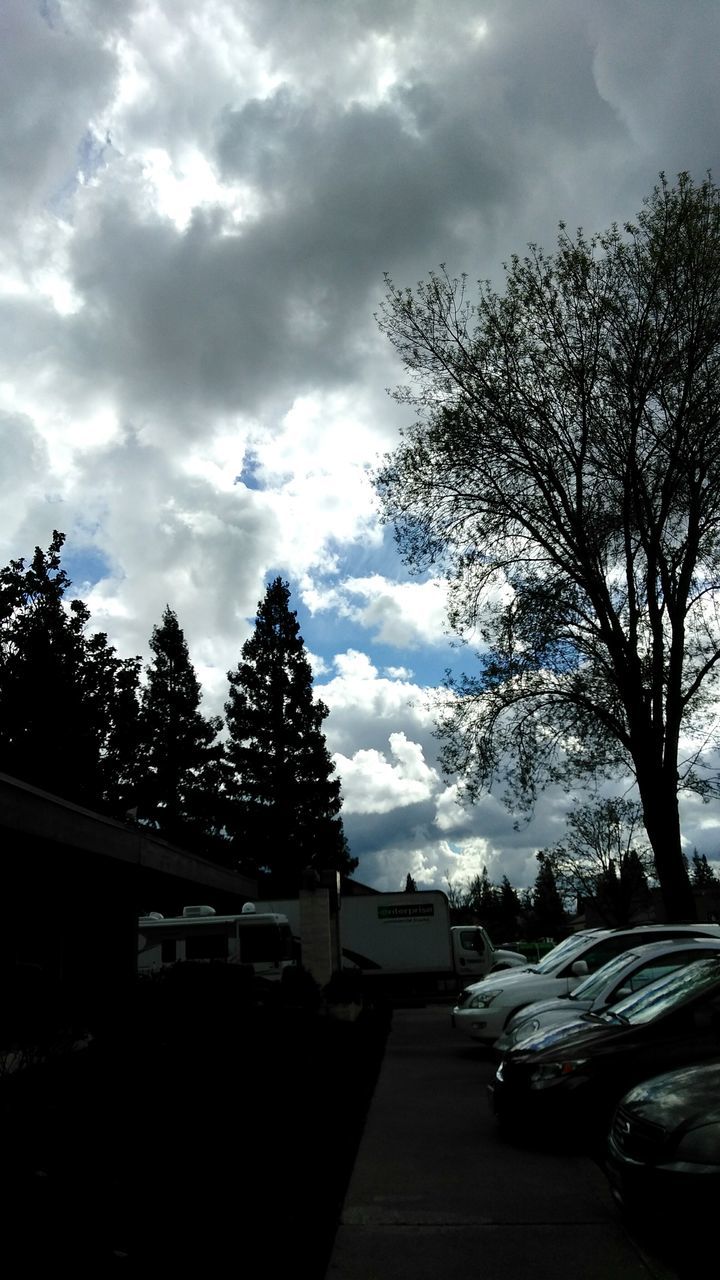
(408, 935)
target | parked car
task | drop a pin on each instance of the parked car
(628, 972)
(484, 1008)
(568, 1079)
(663, 1155)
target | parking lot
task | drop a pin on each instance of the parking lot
(436, 1192)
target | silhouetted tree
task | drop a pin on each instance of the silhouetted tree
(111, 692)
(68, 704)
(564, 469)
(484, 899)
(604, 860)
(702, 875)
(285, 800)
(509, 913)
(549, 919)
(410, 885)
(458, 896)
(181, 791)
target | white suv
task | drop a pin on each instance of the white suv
(484, 1008)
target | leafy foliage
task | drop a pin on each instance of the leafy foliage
(286, 801)
(564, 470)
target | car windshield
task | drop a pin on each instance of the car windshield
(565, 951)
(597, 982)
(662, 996)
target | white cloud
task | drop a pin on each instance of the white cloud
(404, 614)
(373, 784)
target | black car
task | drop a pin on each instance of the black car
(568, 1079)
(663, 1153)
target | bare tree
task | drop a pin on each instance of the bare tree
(604, 860)
(564, 471)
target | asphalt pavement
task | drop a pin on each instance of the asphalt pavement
(436, 1192)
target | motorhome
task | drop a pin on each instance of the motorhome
(259, 938)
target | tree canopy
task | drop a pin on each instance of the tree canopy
(564, 470)
(285, 797)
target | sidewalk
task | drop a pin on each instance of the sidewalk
(436, 1193)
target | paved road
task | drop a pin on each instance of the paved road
(436, 1193)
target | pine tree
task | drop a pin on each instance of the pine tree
(509, 913)
(285, 811)
(549, 918)
(181, 791)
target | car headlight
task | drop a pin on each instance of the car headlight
(548, 1073)
(483, 999)
(517, 1031)
(701, 1145)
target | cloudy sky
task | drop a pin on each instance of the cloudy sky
(199, 203)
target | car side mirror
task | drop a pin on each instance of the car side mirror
(580, 969)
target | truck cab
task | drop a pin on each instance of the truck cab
(474, 953)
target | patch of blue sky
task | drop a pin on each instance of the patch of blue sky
(329, 632)
(249, 475)
(85, 566)
(90, 156)
(360, 559)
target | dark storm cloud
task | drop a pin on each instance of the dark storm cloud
(469, 155)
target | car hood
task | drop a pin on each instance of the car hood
(567, 1037)
(501, 979)
(572, 1009)
(545, 1014)
(678, 1097)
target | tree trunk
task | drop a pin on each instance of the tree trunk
(662, 823)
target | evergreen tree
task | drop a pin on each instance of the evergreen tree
(285, 810)
(183, 770)
(68, 706)
(509, 913)
(549, 918)
(410, 884)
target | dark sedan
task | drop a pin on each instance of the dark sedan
(663, 1155)
(568, 1079)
